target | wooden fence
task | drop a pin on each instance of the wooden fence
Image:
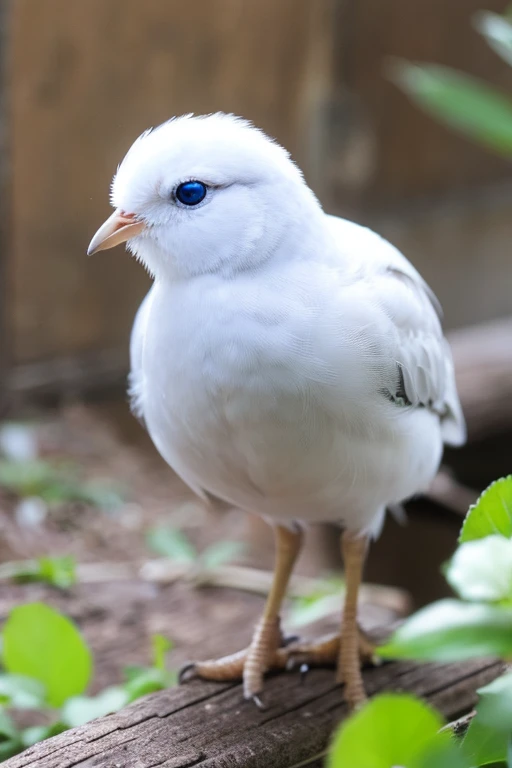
(86, 76)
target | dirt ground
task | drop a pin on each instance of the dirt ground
(118, 618)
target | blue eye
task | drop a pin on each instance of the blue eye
(191, 192)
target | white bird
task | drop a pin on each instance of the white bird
(286, 361)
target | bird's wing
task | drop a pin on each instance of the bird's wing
(419, 367)
(135, 379)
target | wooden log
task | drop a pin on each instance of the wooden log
(209, 725)
(483, 365)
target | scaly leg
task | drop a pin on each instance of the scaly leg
(351, 647)
(349, 668)
(263, 653)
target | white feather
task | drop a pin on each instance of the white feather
(262, 356)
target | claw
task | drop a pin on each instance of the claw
(184, 673)
(258, 702)
(303, 672)
(289, 640)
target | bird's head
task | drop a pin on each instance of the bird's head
(204, 194)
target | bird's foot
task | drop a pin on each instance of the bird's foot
(325, 652)
(267, 652)
(328, 652)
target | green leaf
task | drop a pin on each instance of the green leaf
(57, 571)
(497, 31)
(444, 754)
(144, 680)
(97, 495)
(450, 630)
(171, 543)
(10, 737)
(81, 709)
(490, 730)
(20, 571)
(160, 645)
(323, 600)
(36, 733)
(10, 747)
(447, 754)
(21, 692)
(461, 101)
(392, 730)
(492, 513)
(26, 478)
(53, 484)
(482, 569)
(7, 728)
(221, 553)
(485, 746)
(306, 611)
(41, 643)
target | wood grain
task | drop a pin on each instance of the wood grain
(206, 724)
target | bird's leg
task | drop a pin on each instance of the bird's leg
(267, 636)
(349, 668)
(264, 651)
(351, 647)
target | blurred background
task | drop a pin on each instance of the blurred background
(80, 80)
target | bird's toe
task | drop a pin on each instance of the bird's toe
(187, 672)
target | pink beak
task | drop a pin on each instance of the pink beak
(117, 229)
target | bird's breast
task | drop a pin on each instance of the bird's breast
(220, 394)
(228, 391)
(239, 401)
